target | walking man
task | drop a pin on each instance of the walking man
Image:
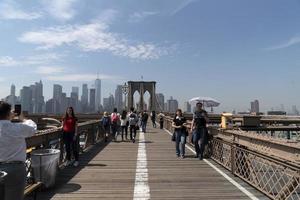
(144, 121)
(133, 122)
(200, 119)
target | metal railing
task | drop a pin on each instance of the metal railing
(275, 177)
(90, 133)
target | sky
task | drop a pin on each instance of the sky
(232, 50)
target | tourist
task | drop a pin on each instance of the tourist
(200, 119)
(106, 125)
(144, 120)
(179, 124)
(124, 125)
(13, 151)
(70, 136)
(153, 118)
(161, 121)
(115, 123)
(133, 124)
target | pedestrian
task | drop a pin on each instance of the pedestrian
(115, 123)
(124, 125)
(199, 123)
(106, 125)
(133, 124)
(144, 120)
(179, 124)
(153, 118)
(70, 136)
(161, 121)
(13, 151)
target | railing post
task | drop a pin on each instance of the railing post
(233, 159)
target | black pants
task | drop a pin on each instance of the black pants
(161, 123)
(153, 123)
(124, 130)
(132, 130)
(71, 144)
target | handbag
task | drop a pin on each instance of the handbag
(173, 137)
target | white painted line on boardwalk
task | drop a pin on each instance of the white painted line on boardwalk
(141, 187)
(241, 188)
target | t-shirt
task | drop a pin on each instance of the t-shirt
(199, 119)
(179, 121)
(133, 119)
(145, 117)
(69, 124)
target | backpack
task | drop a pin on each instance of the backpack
(115, 118)
(105, 121)
(132, 119)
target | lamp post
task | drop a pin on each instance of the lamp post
(125, 92)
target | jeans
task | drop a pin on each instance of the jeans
(144, 125)
(124, 131)
(70, 144)
(114, 129)
(132, 130)
(153, 123)
(180, 143)
(199, 137)
(14, 182)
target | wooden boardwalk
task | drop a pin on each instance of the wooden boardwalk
(108, 171)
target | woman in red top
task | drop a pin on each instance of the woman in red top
(70, 136)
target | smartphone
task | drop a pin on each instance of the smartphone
(18, 109)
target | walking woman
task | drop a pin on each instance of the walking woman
(179, 123)
(124, 125)
(153, 118)
(70, 136)
(106, 125)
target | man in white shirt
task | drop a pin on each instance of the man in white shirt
(13, 151)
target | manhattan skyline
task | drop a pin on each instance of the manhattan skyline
(234, 51)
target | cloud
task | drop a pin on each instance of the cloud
(60, 9)
(81, 77)
(93, 37)
(107, 16)
(8, 61)
(140, 16)
(10, 10)
(47, 70)
(291, 42)
(181, 6)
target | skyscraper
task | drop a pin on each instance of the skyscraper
(98, 94)
(12, 99)
(75, 90)
(37, 97)
(172, 105)
(26, 99)
(161, 102)
(84, 97)
(57, 91)
(57, 96)
(108, 103)
(187, 107)
(92, 100)
(118, 98)
(255, 106)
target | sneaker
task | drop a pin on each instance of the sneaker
(200, 157)
(178, 155)
(182, 156)
(133, 140)
(76, 164)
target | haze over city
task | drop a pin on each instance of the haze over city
(234, 51)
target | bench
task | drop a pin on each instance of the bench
(32, 189)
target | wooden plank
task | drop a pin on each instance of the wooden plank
(108, 172)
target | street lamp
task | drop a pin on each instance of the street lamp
(125, 92)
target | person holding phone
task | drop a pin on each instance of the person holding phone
(13, 150)
(70, 136)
